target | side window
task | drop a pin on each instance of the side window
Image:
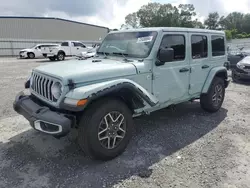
(218, 45)
(78, 44)
(177, 42)
(199, 46)
(65, 44)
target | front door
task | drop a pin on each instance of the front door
(171, 80)
(199, 62)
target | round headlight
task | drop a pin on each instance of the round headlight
(56, 90)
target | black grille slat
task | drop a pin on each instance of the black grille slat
(42, 86)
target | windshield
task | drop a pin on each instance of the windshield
(33, 46)
(132, 44)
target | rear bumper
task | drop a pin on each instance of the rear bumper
(42, 118)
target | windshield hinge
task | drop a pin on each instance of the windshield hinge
(153, 77)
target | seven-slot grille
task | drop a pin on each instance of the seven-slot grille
(42, 85)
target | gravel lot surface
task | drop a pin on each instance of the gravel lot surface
(182, 148)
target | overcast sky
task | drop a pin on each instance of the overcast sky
(108, 13)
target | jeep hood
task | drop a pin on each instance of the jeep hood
(87, 71)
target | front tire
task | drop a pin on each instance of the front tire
(31, 55)
(235, 77)
(105, 129)
(212, 101)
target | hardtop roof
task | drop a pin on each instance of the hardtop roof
(173, 29)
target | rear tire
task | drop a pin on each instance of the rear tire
(60, 56)
(31, 55)
(99, 136)
(213, 99)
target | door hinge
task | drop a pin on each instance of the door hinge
(190, 69)
(189, 86)
(153, 77)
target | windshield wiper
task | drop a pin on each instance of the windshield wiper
(123, 54)
(120, 53)
(104, 53)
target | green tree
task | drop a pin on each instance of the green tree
(246, 23)
(132, 20)
(233, 20)
(149, 15)
(228, 34)
(212, 22)
(187, 12)
(164, 15)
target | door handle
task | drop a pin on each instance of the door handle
(77, 48)
(184, 70)
(205, 67)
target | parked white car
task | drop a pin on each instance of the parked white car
(66, 49)
(88, 54)
(35, 51)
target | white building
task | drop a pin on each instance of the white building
(23, 32)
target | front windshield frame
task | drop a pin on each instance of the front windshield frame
(141, 34)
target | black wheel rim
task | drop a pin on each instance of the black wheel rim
(112, 130)
(60, 57)
(217, 95)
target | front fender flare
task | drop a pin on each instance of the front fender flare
(94, 91)
(213, 72)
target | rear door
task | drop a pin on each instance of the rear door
(66, 47)
(199, 61)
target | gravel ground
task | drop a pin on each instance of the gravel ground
(182, 148)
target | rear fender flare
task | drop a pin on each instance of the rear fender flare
(212, 74)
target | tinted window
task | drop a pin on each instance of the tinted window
(177, 42)
(199, 46)
(78, 44)
(218, 46)
(65, 44)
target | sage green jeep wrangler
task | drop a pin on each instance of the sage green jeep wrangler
(134, 72)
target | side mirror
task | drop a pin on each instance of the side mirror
(165, 55)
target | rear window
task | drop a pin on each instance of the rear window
(218, 45)
(65, 44)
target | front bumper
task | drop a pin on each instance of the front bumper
(23, 55)
(241, 74)
(41, 117)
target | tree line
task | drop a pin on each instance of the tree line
(235, 24)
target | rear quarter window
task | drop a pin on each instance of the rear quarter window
(218, 45)
(65, 44)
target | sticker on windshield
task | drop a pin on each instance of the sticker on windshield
(145, 39)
